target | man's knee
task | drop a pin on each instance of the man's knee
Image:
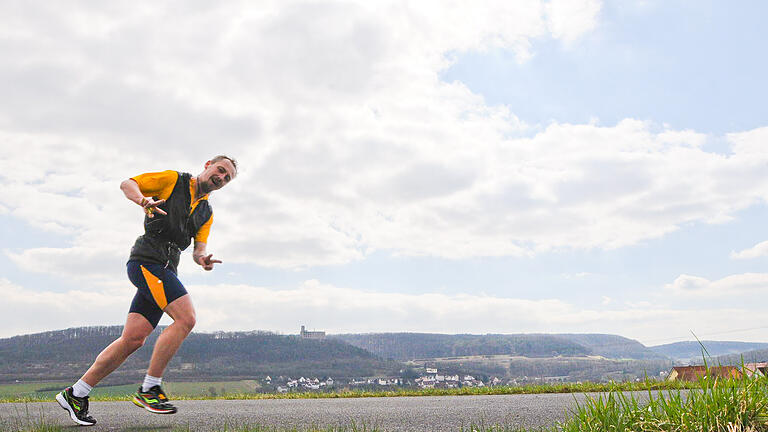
(133, 342)
(187, 322)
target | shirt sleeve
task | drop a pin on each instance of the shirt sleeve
(157, 184)
(202, 233)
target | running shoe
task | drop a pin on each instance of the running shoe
(77, 407)
(154, 401)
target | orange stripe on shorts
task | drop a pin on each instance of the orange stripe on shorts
(155, 287)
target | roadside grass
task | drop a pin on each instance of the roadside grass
(28, 388)
(238, 390)
(722, 405)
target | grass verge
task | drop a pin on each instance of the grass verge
(721, 405)
(465, 391)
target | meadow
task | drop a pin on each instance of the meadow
(45, 391)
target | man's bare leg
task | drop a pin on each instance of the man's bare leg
(150, 396)
(135, 332)
(183, 313)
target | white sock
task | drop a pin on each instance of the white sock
(81, 389)
(150, 381)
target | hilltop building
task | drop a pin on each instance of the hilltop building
(311, 334)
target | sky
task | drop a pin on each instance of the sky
(561, 166)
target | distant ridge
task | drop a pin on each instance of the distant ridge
(752, 356)
(692, 351)
(410, 346)
(65, 354)
(613, 346)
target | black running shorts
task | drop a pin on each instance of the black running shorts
(156, 285)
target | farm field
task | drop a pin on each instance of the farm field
(48, 389)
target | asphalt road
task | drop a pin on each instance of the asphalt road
(425, 413)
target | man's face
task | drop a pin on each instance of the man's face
(216, 175)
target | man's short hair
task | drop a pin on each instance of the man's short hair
(222, 157)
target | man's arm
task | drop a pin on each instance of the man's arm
(200, 257)
(131, 190)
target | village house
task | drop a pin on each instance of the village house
(755, 369)
(305, 383)
(693, 373)
(556, 379)
(432, 380)
(426, 382)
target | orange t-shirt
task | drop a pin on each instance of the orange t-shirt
(160, 185)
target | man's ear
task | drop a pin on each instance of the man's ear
(207, 164)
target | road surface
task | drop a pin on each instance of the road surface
(424, 413)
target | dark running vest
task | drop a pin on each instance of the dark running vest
(166, 236)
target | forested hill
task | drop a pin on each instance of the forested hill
(692, 350)
(409, 346)
(613, 346)
(753, 356)
(67, 354)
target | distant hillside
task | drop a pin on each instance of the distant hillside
(691, 350)
(410, 346)
(613, 346)
(753, 356)
(65, 354)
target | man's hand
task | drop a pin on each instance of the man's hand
(206, 262)
(150, 206)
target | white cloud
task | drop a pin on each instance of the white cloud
(569, 19)
(746, 285)
(579, 275)
(758, 250)
(688, 284)
(28, 311)
(340, 310)
(75, 262)
(750, 143)
(349, 142)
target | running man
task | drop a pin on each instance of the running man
(176, 211)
